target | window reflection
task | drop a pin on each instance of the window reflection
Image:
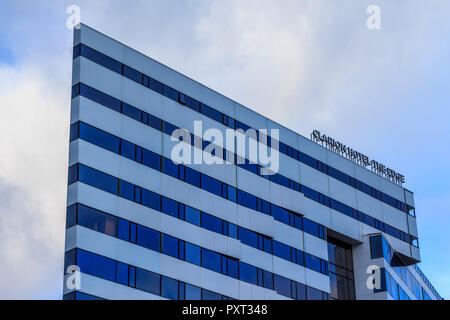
(341, 270)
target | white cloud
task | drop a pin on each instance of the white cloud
(34, 139)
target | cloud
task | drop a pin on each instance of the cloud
(34, 140)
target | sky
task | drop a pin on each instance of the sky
(305, 64)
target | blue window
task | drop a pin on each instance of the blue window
(99, 138)
(224, 190)
(76, 51)
(211, 260)
(170, 245)
(132, 276)
(170, 168)
(193, 254)
(73, 174)
(182, 98)
(232, 230)
(132, 74)
(138, 154)
(224, 264)
(225, 227)
(232, 194)
(300, 257)
(131, 112)
(296, 221)
(209, 295)
(133, 232)
(192, 215)
(338, 206)
(294, 255)
(154, 122)
(123, 229)
(181, 211)
(280, 214)
(137, 194)
(192, 103)
(122, 273)
(181, 249)
(248, 273)
(210, 112)
(168, 128)
(147, 281)
(376, 247)
(170, 93)
(70, 259)
(148, 238)
(267, 244)
(245, 199)
(279, 179)
(192, 177)
(181, 291)
(310, 193)
(368, 220)
(126, 190)
(312, 262)
(248, 237)
(75, 90)
(71, 216)
(240, 125)
(96, 220)
(96, 265)
(211, 185)
(308, 160)
(101, 59)
(310, 227)
(97, 179)
(263, 206)
(74, 131)
(155, 85)
(282, 285)
(151, 159)
(193, 292)
(268, 280)
(84, 296)
(169, 288)
(301, 291)
(100, 97)
(281, 250)
(127, 149)
(145, 80)
(211, 223)
(151, 199)
(233, 268)
(170, 207)
(247, 165)
(366, 188)
(181, 170)
(313, 294)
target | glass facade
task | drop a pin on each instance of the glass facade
(340, 261)
(380, 248)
